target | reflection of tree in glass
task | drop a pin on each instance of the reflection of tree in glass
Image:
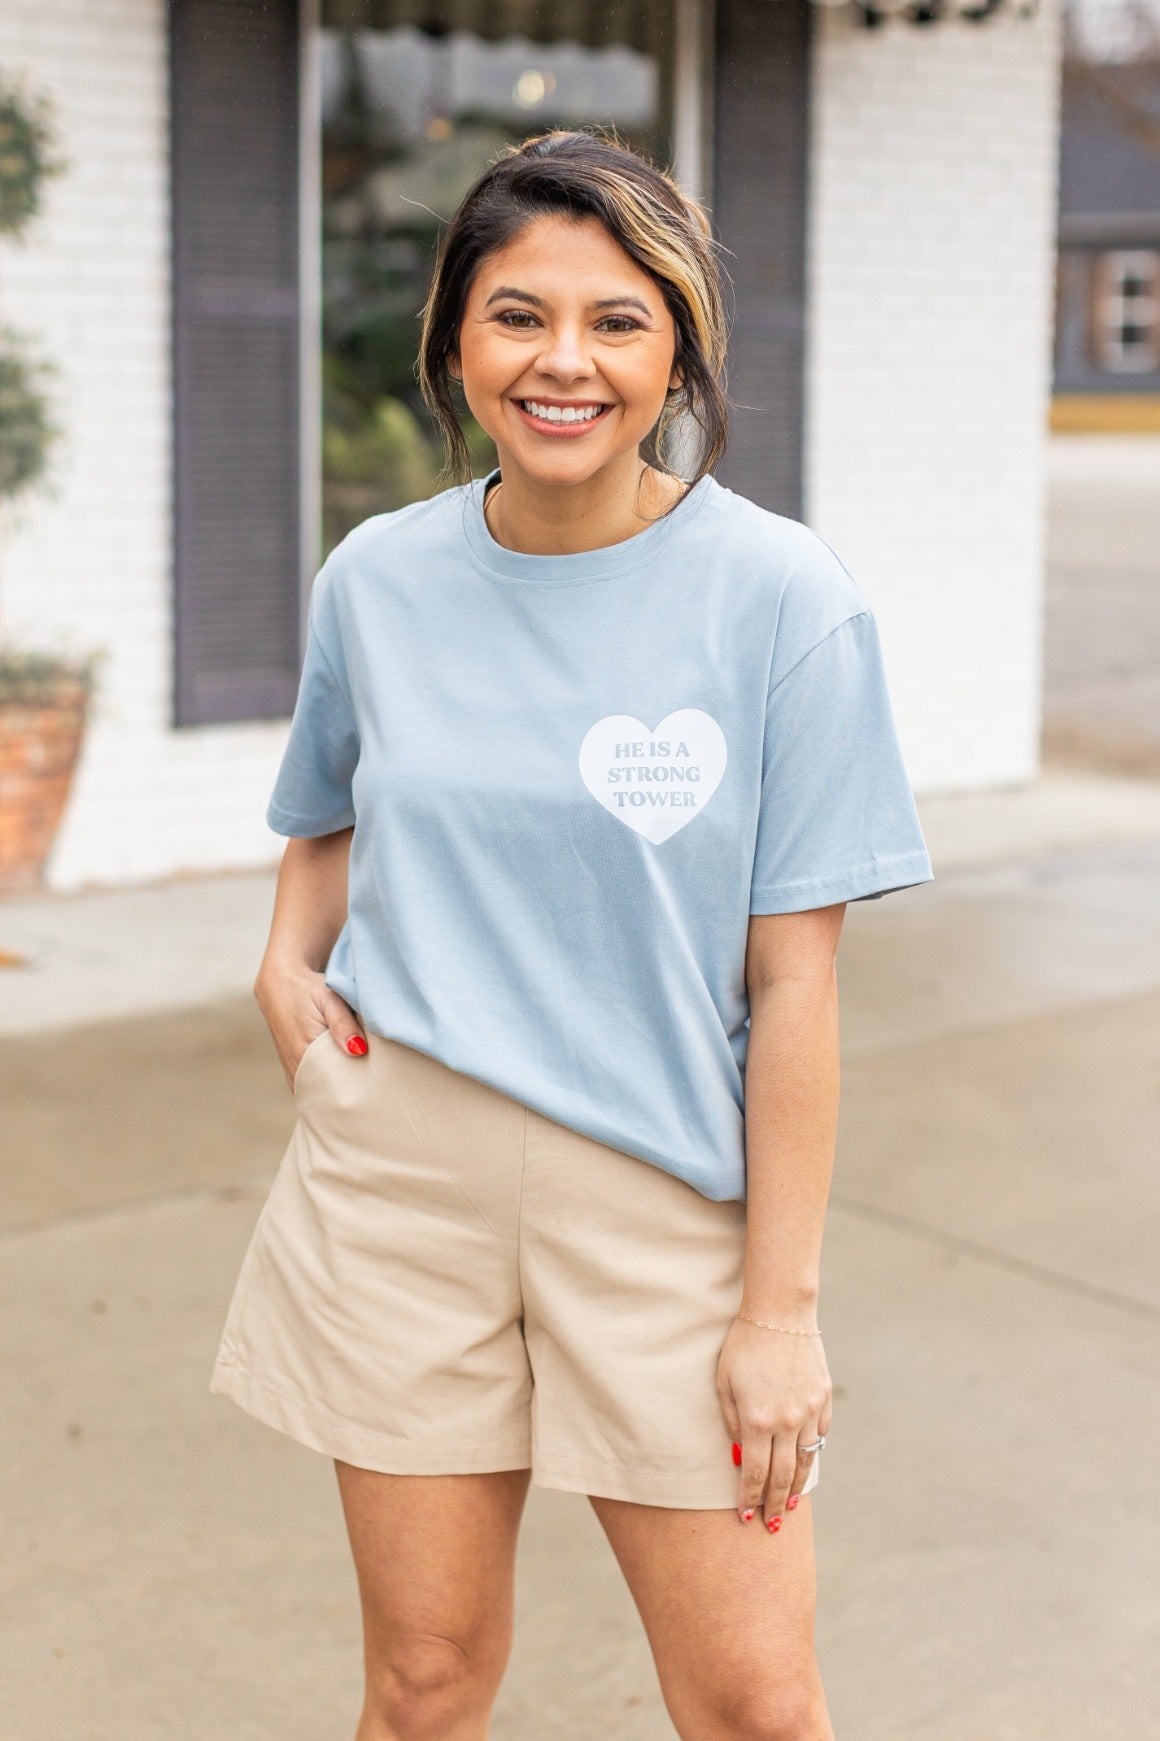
(380, 457)
(409, 118)
(384, 198)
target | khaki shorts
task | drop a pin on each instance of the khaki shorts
(443, 1281)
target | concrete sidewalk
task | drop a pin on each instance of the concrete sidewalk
(177, 945)
(1101, 653)
(987, 1524)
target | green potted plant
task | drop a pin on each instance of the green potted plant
(44, 696)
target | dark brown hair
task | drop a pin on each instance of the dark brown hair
(587, 174)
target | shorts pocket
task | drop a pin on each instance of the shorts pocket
(319, 1039)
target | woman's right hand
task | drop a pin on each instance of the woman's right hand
(298, 1006)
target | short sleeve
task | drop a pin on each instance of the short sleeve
(837, 819)
(312, 791)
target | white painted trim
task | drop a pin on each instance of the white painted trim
(694, 24)
(690, 95)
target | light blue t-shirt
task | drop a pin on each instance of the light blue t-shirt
(572, 779)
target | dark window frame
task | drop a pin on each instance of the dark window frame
(762, 56)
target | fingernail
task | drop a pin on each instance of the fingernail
(747, 1517)
(775, 1524)
(736, 1456)
(791, 1502)
(357, 1045)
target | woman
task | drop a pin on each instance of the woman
(586, 762)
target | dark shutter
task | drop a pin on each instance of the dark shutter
(761, 145)
(234, 106)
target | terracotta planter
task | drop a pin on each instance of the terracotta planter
(40, 739)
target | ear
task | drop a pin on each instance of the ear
(453, 366)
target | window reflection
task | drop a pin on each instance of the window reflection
(410, 116)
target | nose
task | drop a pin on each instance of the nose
(564, 356)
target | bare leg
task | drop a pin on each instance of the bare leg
(729, 1612)
(435, 1557)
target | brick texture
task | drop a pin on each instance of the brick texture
(931, 260)
(931, 236)
(87, 562)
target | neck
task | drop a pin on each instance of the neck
(616, 503)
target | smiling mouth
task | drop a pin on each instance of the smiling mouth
(573, 418)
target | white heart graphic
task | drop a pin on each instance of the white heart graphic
(654, 781)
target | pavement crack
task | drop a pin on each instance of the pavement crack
(1027, 1269)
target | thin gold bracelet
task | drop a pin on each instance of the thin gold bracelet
(746, 1319)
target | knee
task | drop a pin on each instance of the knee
(782, 1711)
(773, 1710)
(424, 1683)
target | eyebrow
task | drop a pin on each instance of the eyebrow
(509, 290)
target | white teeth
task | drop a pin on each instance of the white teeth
(562, 413)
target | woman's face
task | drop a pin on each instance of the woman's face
(565, 350)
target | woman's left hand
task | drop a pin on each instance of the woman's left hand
(775, 1393)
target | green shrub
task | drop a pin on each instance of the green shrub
(27, 432)
(28, 155)
(38, 679)
(28, 159)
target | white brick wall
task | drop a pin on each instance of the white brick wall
(89, 565)
(931, 239)
(931, 253)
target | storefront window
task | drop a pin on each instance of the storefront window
(416, 99)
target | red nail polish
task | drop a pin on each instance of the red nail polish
(775, 1524)
(736, 1456)
(747, 1517)
(357, 1045)
(791, 1502)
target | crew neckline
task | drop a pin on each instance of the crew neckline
(577, 568)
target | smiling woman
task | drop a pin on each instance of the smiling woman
(415, 100)
(580, 322)
(588, 757)
(567, 391)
